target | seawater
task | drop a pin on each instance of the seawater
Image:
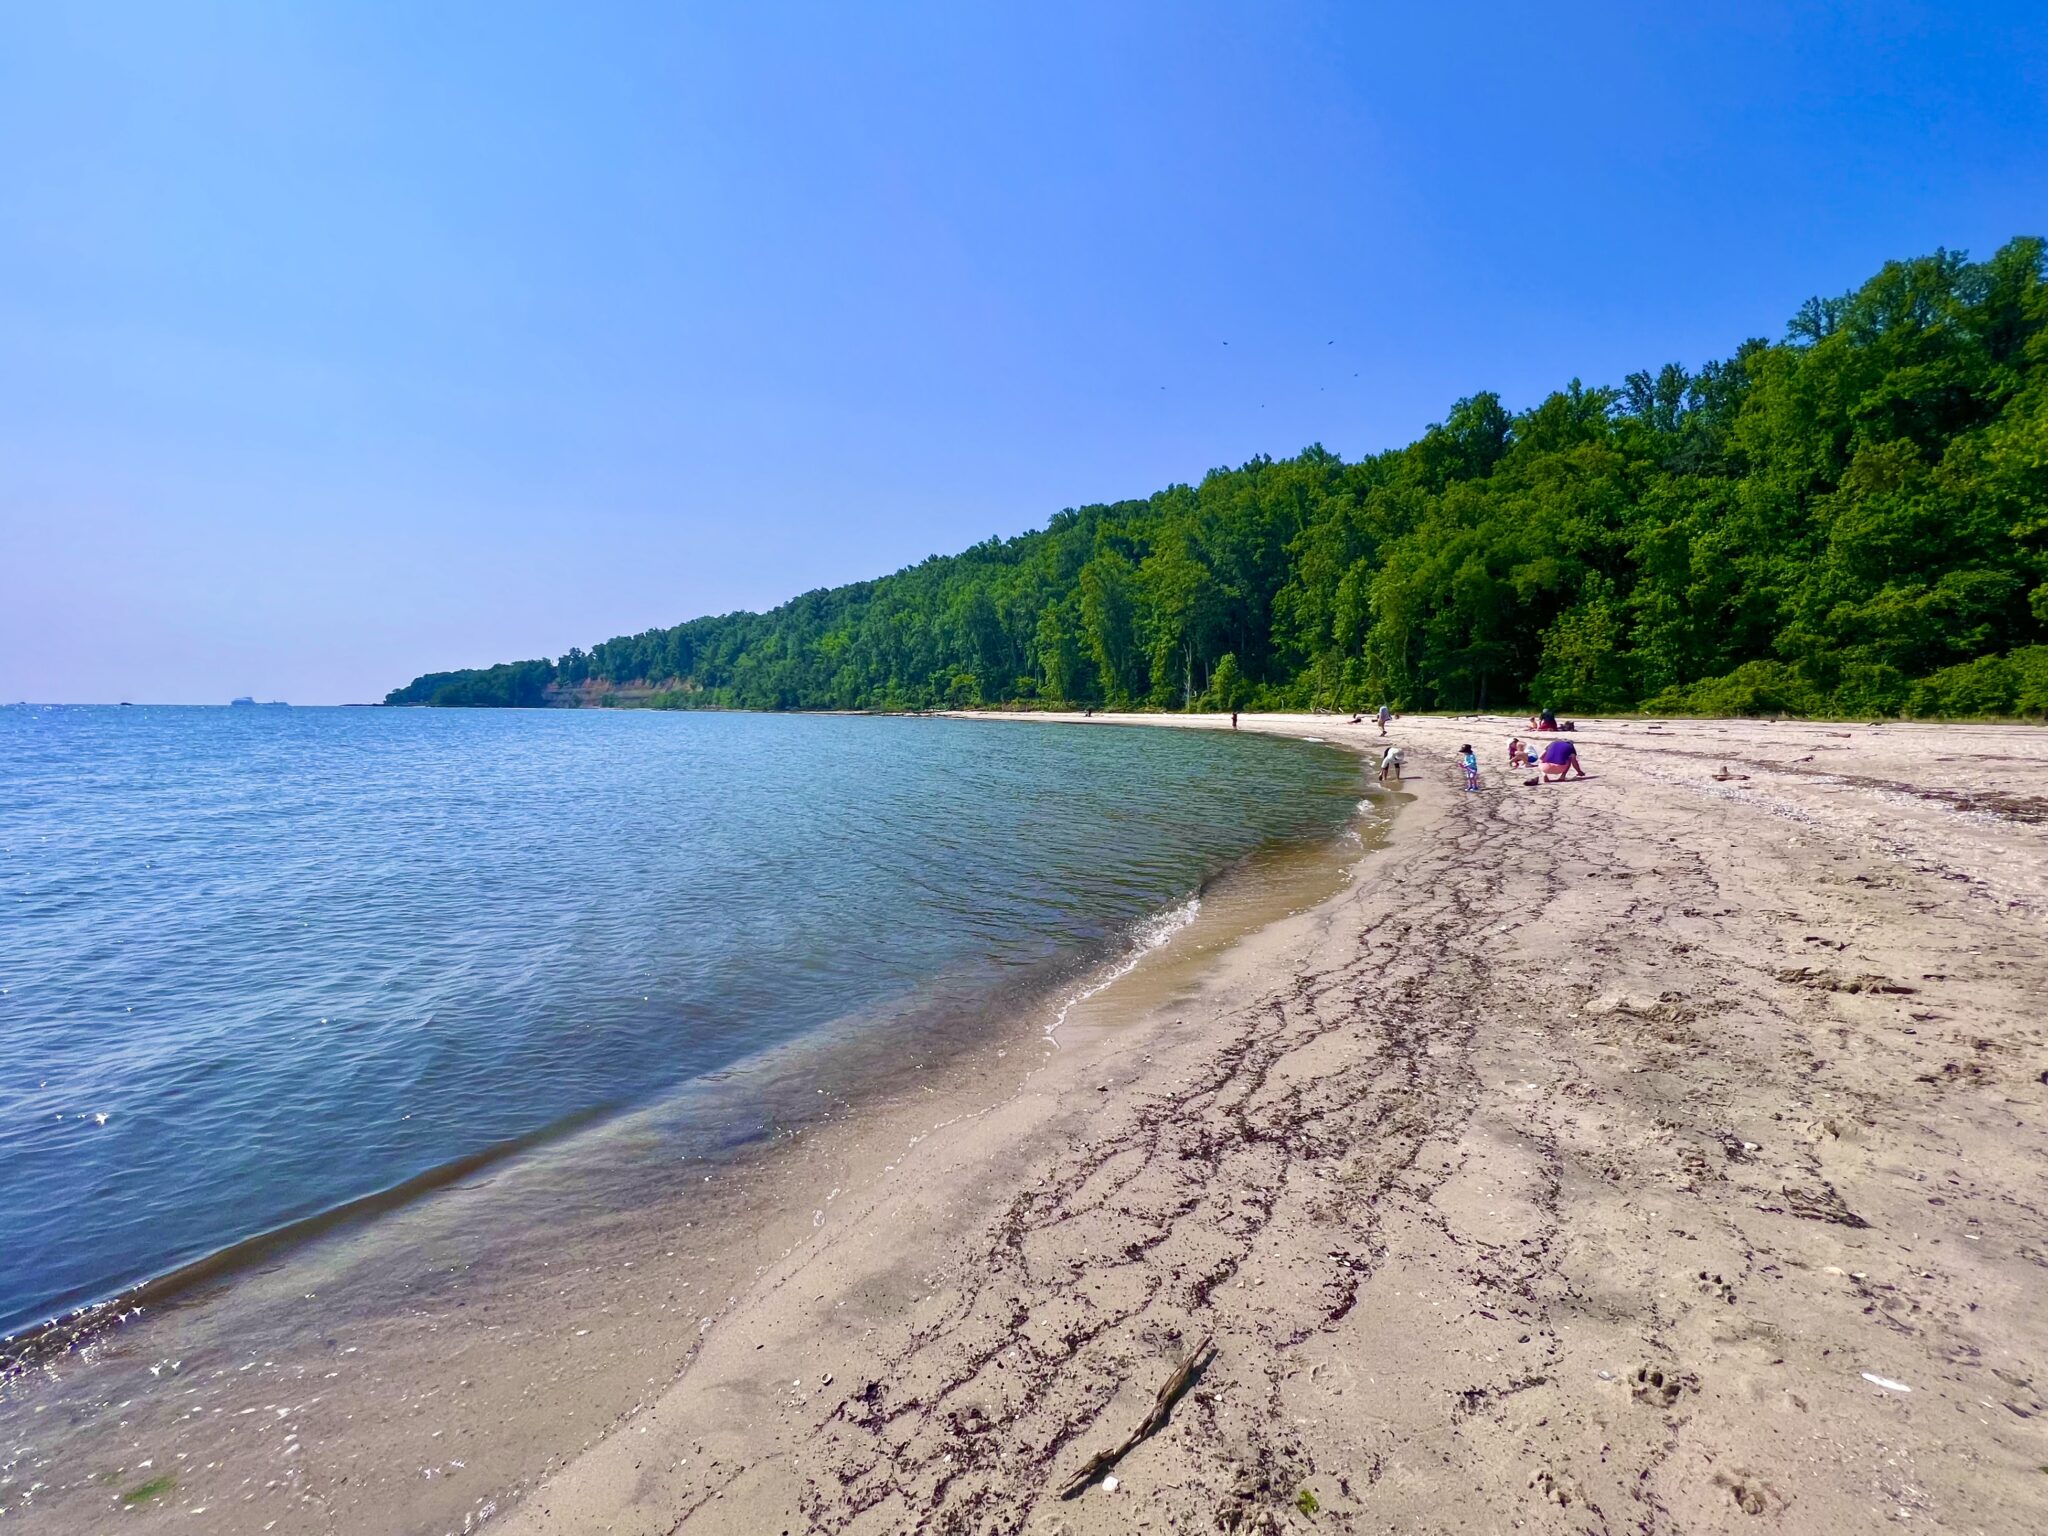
(257, 964)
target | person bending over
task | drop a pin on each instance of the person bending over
(1560, 760)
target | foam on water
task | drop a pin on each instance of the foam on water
(1153, 933)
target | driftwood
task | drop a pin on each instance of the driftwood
(1162, 1407)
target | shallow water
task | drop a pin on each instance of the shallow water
(255, 965)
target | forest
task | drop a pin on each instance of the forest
(1850, 521)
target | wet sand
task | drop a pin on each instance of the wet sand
(1661, 1151)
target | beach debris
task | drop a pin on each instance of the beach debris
(1886, 1382)
(1170, 1392)
(1724, 775)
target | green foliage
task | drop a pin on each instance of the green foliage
(155, 1488)
(1852, 520)
(1754, 688)
(1227, 687)
(1307, 1502)
(514, 684)
(2013, 684)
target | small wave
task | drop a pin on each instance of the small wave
(1149, 935)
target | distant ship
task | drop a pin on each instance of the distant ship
(246, 702)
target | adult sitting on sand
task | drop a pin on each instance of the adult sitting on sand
(1560, 759)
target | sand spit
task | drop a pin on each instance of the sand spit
(1660, 1152)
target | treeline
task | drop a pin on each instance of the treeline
(1853, 520)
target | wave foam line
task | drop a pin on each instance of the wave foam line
(1149, 935)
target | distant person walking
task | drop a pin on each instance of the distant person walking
(1561, 759)
(1386, 714)
(1233, 719)
(1390, 765)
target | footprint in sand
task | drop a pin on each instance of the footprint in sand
(1752, 1495)
(1716, 1287)
(1661, 1388)
(1556, 1489)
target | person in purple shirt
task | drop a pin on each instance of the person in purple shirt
(1561, 759)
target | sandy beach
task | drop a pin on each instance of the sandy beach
(1660, 1151)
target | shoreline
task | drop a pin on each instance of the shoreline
(39, 1317)
(381, 1299)
(1571, 1171)
(1608, 1158)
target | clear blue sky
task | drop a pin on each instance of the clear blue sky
(341, 342)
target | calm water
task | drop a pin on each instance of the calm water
(258, 963)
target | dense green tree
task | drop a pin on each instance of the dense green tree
(1852, 519)
(1109, 618)
(1226, 684)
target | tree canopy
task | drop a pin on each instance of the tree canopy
(1851, 520)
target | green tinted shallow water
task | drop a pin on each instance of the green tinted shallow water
(263, 963)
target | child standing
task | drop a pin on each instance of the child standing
(1471, 761)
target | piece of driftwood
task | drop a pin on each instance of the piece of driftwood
(1162, 1408)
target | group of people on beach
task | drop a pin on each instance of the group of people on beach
(1559, 758)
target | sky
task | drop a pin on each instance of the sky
(343, 342)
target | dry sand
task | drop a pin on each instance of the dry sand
(1662, 1151)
